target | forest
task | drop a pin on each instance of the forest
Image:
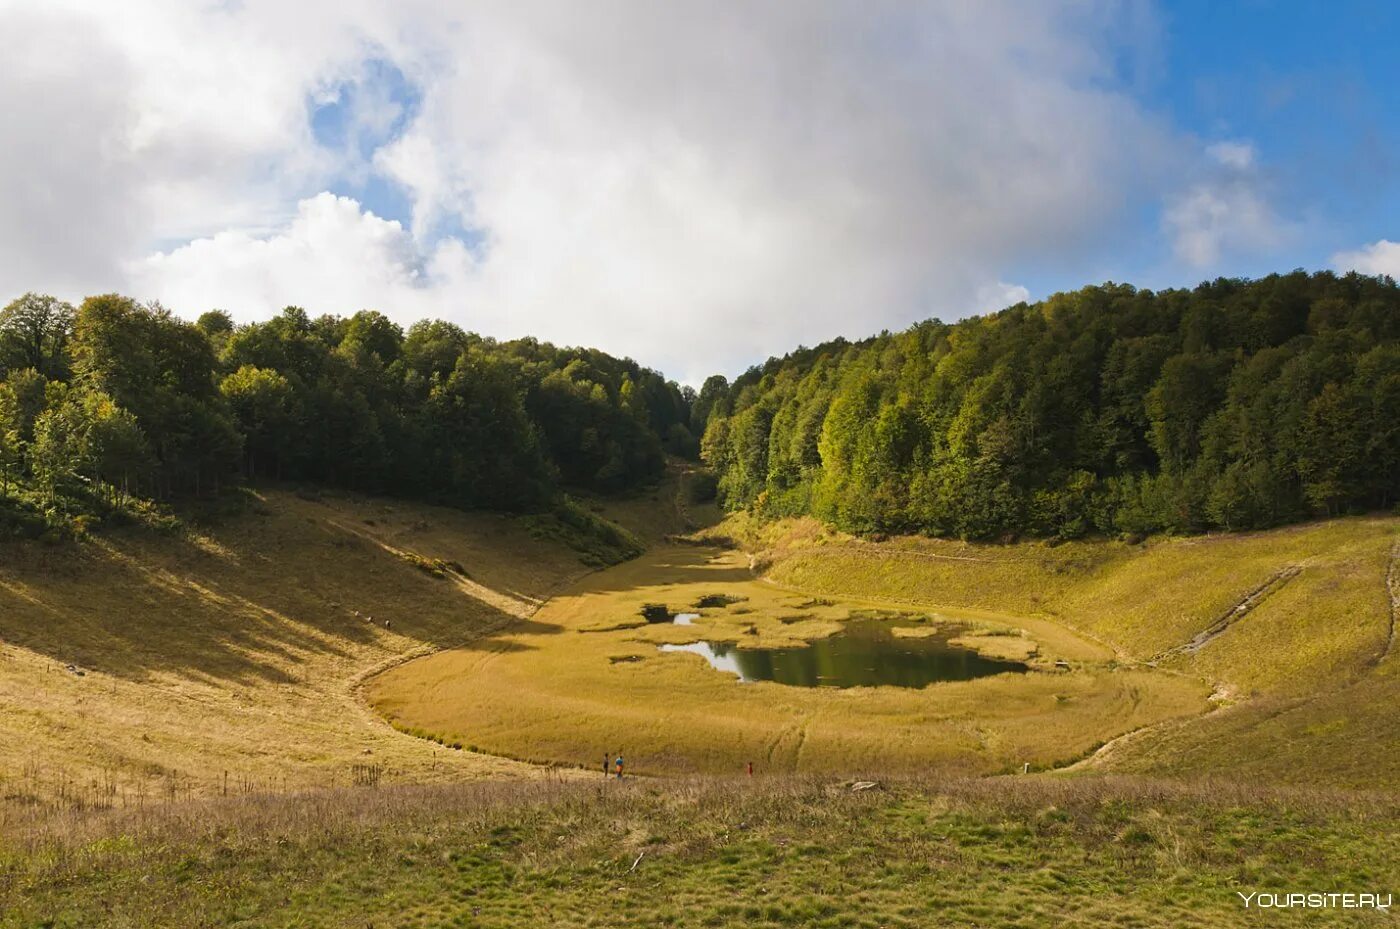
(1235, 405)
(112, 406)
(1111, 410)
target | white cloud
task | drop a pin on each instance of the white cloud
(1209, 221)
(696, 185)
(1225, 213)
(999, 296)
(65, 168)
(1237, 155)
(332, 256)
(130, 124)
(1381, 257)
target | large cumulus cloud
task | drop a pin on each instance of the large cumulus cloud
(697, 185)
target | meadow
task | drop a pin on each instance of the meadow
(585, 676)
(1303, 666)
(326, 709)
(761, 852)
(1161, 639)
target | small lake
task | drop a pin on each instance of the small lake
(866, 653)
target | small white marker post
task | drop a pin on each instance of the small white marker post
(1026, 768)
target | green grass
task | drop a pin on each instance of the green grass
(730, 852)
(598, 541)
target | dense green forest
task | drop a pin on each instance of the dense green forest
(1239, 404)
(114, 404)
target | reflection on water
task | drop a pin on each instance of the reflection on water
(865, 654)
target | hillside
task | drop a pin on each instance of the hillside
(1192, 657)
(1238, 404)
(655, 464)
(113, 410)
(277, 703)
(591, 674)
(141, 664)
(236, 648)
(1294, 629)
(247, 633)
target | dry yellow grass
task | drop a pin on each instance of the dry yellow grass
(1286, 628)
(240, 650)
(585, 677)
(656, 513)
(1306, 671)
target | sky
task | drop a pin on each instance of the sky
(695, 185)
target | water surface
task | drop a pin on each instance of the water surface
(866, 653)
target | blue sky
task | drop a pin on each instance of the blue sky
(1313, 88)
(698, 186)
(334, 116)
(336, 123)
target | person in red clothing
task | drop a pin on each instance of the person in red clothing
(750, 769)
(619, 766)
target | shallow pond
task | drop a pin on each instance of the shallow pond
(866, 653)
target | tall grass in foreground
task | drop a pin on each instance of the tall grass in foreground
(779, 851)
(32, 829)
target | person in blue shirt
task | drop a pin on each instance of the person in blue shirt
(619, 765)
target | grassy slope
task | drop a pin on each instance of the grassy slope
(758, 853)
(239, 649)
(1309, 695)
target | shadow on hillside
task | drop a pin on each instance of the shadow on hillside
(668, 565)
(284, 600)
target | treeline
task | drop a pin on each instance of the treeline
(1239, 404)
(116, 401)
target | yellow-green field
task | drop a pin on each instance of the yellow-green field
(248, 648)
(1306, 674)
(585, 677)
(1181, 642)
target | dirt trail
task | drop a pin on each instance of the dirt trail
(1233, 615)
(1099, 755)
(1104, 752)
(1392, 582)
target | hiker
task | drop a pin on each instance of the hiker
(750, 769)
(606, 765)
(619, 766)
